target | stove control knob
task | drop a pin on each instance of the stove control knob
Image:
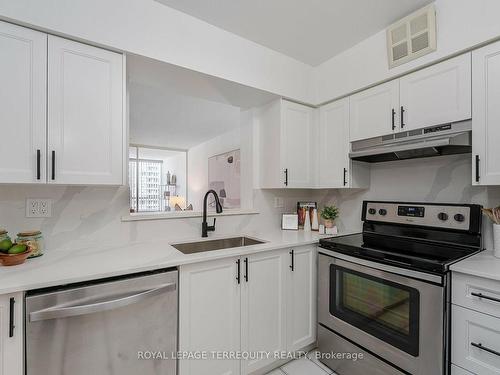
(442, 216)
(382, 212)
(372, 211)
(459, 217)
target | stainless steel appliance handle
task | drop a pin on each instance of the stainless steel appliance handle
(57, 312)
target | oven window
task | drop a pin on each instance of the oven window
(382, 308)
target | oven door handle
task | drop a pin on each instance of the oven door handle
(57, 312)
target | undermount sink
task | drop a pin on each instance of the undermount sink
(217, 244)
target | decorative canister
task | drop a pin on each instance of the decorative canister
(4, 235)
(33, 239)
(496, 240)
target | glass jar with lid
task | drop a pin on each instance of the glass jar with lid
(4, 235)
(33, 239)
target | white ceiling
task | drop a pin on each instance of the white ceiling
(311, 31)
(178, 108)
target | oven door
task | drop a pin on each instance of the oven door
(395, 317)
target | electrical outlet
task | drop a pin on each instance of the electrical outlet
(279, 202)
(38, 207)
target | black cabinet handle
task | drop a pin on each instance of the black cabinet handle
(402, 117)
(38, 157)
(393, 119)
(480, 295)
(345, 176)
(286, 176)
(477, 168)
(292, 266)
(12, 301)
(246, 270)
(53, 165)
(238, 273)
(480, 346)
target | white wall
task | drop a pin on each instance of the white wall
(240, 138)
(148, 28)
(461, 24)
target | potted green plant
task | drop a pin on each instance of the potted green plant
(329, 214)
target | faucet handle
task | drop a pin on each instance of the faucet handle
(213, 226)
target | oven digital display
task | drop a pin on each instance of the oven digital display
(411, 211)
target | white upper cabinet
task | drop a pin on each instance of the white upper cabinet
(23, 67)
(486, 119)
(436, 95)
(287, 145)
(85, 114)
(375, 111)
(333, 144)
(297, 144)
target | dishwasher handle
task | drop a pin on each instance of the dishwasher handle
(57, 312)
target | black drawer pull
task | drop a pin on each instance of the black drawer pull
(12, 301)
(402, 117)
(477, 168)
(238, 273)
(480, 346)
(292, 265)
(38, 157)
(480, 295)
(53, 165)
(246, 270)
(345, 176)
(286, 177)
(393, 119)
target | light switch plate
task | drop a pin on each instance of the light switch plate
(36, 207)
(279, 202)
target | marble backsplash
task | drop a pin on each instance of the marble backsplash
(445, 179)
(88, 216)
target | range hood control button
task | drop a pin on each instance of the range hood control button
(459, 217)
(372, 211)
(382, 212)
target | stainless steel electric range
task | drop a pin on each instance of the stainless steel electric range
(384, 293)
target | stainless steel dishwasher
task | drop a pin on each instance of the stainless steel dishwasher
(121, 326)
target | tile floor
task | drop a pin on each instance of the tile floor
(307, 365)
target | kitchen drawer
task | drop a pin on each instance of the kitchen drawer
(455, 370)
(471, 329)
(465, 289)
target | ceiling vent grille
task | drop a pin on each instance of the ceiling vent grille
(412, 37)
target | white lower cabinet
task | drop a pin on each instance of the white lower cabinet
(11, 334)
(209, 315)
(263, 306)
(301, 300)
(256, 303)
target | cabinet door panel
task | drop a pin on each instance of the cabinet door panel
(486, 120)
(437, 95)
(301, 302)
(371, 111)
(296, 144)
(263, 307)
(209, 316)
(85, 115)
(11, 348)
(23, 100)
(334, 144)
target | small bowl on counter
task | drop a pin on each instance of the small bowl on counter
(7, 259)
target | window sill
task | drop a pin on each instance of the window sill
(183, 215)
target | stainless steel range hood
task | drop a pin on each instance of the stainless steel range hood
(440, 140)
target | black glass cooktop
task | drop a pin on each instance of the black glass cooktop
(412, 253)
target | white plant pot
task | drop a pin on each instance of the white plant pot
(496, 240)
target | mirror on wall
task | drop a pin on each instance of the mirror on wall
(188, 133)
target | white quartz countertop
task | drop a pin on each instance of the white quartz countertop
(483, 264)
(65, 266)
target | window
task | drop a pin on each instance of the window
(157, 179)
